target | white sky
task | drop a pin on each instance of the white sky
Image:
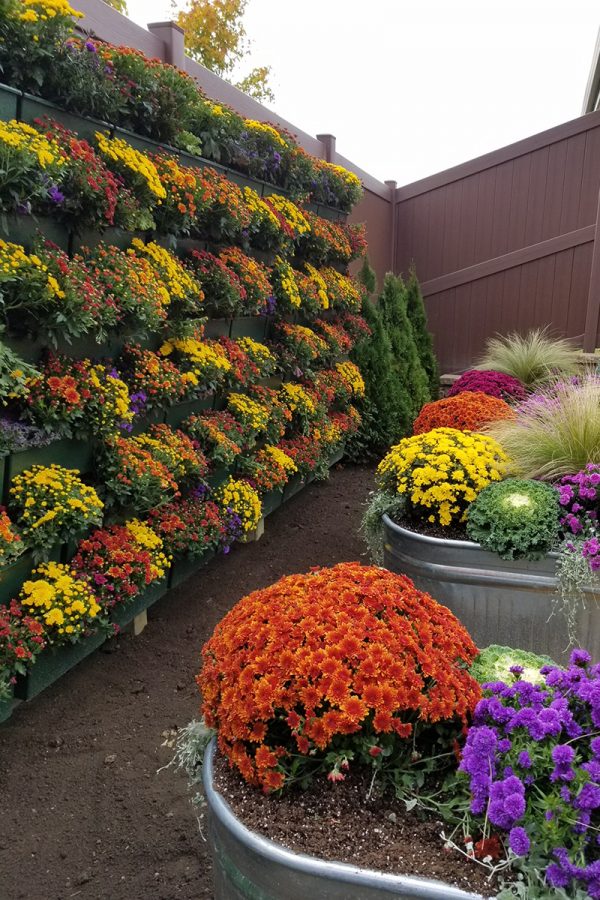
(411, 87)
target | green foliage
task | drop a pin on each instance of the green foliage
(367, 277)
(410, 375)
(533, 358)
(216, 37)
(555, 432)
(494, 664)
(515, 519)
(379, 503)
(14, 375)
(415, 308)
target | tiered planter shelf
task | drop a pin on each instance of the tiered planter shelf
(70, 453)
(271, 501)
(179, 411)
(248, 866)
(183, 567)
(53, 663)
(498, 601)
(7, 705)
(124, 613)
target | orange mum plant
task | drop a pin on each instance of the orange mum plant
(345, 664)
(468, 411)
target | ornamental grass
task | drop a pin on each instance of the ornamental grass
(441, 472)
(555, 432)
(468, 411)
(534, 358)
(322, 671)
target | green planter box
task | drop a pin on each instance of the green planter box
(117, 237)
(273, 381)
(184, 567)
(6, 707)
(29, 349)
(333, 215)
(218, 476)
(271, 501)
(143, 423)
(296, 484)
(12, 577)
(68, 452)
(9, 103)
(336, 457)
(249, 326)
(35, 108)
(217, 328)
(124, 613)
(26, 230)
(142, 143)
(53, 663)
(176, 414)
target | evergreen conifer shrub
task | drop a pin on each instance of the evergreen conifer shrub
(415, 308)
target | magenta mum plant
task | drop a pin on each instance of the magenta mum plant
(496, 384)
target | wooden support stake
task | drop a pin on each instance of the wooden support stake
(256, 534)
(139, 623)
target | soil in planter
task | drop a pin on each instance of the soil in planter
(337, 823)
(456, 532)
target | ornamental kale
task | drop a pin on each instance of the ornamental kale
(517, 519)
(532, 758)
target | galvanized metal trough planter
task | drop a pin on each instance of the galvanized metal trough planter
(508, 602)
(248, 866)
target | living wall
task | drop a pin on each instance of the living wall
(174, 357)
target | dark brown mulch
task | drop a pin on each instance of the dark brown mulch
(83, 812)
(338, 822)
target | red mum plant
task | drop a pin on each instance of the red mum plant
(21, 639)
(468, 411)
(496, 384)
(219, 434)
(119, 562)
(190, 526)
(254, 277)
(338, 666)
(306, 451)
(224, 292)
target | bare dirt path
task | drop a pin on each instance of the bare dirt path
(83, 812)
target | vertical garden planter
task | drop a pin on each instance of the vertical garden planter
(217, 328)
(294, 486)
(9, 103)
(143, 423)
(33, 108)
(183, 567)
(271, 501)
(336, 457)
(142, 143)
(117, 237)
(507, 602)
(53, 663)
(124, 613)
(13, 576)
(26, 230)
(70, 453)
(248, 866)
(7, 705)
(249, 326)
(217, 476)
(179, 411)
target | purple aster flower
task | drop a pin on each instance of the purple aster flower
(580, 658)
(56, 196)
(89, 45)
(524, 759)
(518, 841)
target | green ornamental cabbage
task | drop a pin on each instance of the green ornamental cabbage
(495, 662)
(516, 519)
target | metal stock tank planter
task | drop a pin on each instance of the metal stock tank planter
(499, 601)
(248, 866)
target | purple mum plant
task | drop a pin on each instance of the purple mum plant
(532, 758)
(495, 384)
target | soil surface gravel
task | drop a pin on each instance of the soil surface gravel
(83, 812)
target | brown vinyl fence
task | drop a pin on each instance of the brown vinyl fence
(508, 241)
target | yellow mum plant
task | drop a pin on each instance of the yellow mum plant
(351, 376)
(64, 604)
(240, 498)
(52, 505)
(441, 472)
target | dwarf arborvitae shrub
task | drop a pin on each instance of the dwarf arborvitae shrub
(409, 373)
(382, 403)
(415, 309)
